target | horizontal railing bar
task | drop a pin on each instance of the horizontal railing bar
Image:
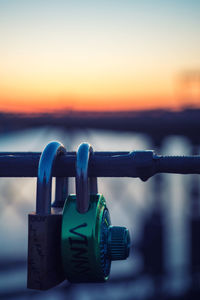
(142, 164)
(98, 153)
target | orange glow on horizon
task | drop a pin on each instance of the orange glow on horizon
(103, 104)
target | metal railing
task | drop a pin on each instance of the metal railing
(141, 164)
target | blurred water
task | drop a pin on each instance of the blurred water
(129, 201)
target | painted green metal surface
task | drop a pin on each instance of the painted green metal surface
(83, 244)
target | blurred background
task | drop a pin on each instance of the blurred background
(121, 75)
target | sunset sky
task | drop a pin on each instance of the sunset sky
(97, 55)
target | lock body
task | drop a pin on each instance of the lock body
(84, 244)
(44, 251)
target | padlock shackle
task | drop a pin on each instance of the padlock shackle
(84, 187)
(44, 179)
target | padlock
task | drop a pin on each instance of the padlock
(89, 242)
(44, 225)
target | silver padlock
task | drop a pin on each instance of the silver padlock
(44, 225)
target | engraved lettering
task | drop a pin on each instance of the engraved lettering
(79, 250)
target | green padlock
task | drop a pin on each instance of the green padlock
(89, 243)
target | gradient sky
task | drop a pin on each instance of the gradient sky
(100, 55)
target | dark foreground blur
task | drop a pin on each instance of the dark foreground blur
(163, 214)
